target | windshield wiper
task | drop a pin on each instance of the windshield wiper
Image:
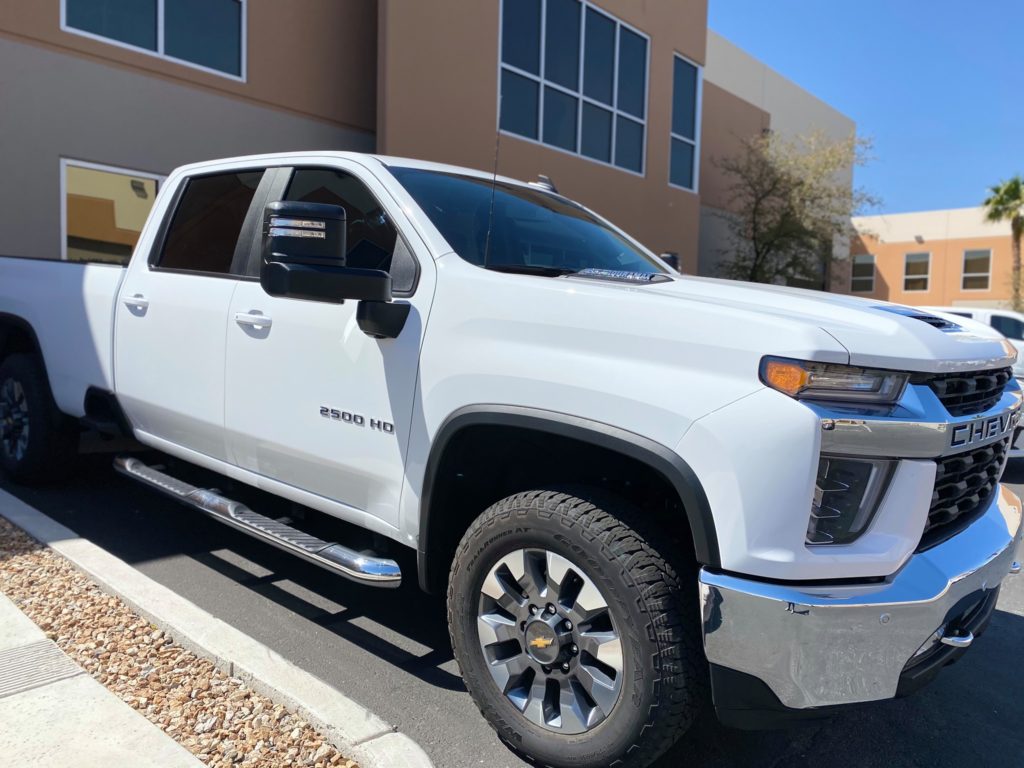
(527, 269)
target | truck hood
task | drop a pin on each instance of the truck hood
(875, 333)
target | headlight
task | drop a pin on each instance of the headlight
(846, 494)
(838, 383)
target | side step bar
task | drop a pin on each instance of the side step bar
(365, 569)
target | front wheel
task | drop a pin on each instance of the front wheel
(574, 635)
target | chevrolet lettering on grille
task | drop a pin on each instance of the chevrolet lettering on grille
(981, 430)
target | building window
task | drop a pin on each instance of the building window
(103, 210)
(862, 276)
(686, 88)
(207, 34)
(915, 271)
(574, 78)
(977, 270)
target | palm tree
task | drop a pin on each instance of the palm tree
(1006, 203)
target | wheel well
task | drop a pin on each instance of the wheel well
(484, 463)
(16, 337)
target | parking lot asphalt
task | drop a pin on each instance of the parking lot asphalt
(389, 650)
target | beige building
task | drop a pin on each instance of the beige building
(931, 258)
(743, 96)
(625, 105)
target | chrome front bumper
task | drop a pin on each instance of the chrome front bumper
(816, 646)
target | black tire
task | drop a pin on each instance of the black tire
(653, 608)
(52, 440)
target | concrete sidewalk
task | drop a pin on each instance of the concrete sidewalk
(53, 713)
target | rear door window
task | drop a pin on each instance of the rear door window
(204, 230)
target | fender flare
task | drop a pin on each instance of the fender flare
(655, 455)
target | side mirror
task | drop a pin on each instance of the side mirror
(671, 258)
(304, 256)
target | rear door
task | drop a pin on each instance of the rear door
(172, 312)
(311, 401)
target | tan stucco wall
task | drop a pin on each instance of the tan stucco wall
(726, 122)
(438, 99)
(312, 57)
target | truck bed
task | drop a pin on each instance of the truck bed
(70, 307)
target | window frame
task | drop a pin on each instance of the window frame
(927, 275)
(697, 117)
(242, 77)
(874, 272)
(964, 274)
(580, 97)
(68, 162)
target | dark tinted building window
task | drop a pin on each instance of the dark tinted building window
(559, 119)
(520, 34)
(632, 73)
(127, 21)
(685, 97)
(371, 240)
(562, 43)
(205, 228)
(519, 110)
(205, 32)
(599, 58)
(601, 114)
(208, 33)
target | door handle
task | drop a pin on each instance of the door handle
(138, 301)
(253, 320)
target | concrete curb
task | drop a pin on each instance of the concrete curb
(355, 731)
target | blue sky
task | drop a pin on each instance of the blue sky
(938, 84)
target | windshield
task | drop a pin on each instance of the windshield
(532, 230)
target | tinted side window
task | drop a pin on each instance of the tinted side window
(205, 228)
(372, 241)
(1010, 327)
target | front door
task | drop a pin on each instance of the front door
(311, 401)
(172, 311)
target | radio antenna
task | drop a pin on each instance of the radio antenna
(494, 184)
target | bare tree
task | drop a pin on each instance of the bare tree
(790, 201)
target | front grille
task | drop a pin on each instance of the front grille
(964, 484)
(966, 393)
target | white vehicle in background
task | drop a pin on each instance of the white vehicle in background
(1007, 322)
(980, 322)
(633, 485)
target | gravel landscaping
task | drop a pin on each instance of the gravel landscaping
(216, 717)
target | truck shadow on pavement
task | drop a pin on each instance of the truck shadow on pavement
(970, 715)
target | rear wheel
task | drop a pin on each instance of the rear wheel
(574, 635)
(37, 442)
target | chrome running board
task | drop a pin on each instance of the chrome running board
(365, 569)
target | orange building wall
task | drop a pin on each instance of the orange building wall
(944, 285)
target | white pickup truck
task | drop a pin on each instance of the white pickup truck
(638, 488)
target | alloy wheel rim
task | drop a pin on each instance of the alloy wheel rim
(549, 641)
(14, 427)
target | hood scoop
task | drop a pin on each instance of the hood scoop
(916, 314)
(622, 276)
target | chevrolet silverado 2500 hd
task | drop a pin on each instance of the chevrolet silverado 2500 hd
(638, 488)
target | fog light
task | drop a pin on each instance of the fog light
(846, 494)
